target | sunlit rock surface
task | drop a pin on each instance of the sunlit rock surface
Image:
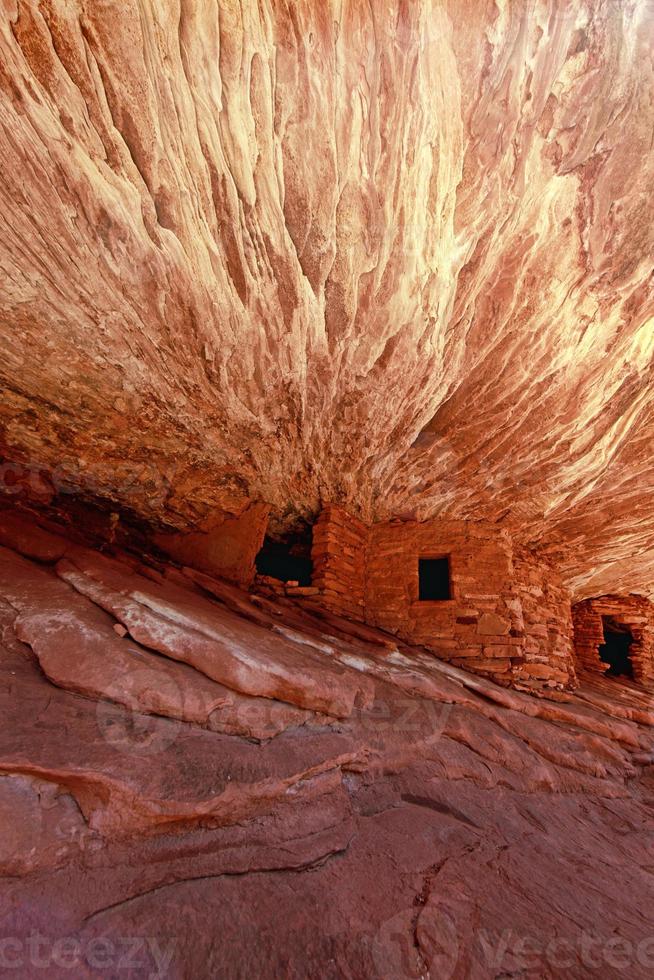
(395, 255)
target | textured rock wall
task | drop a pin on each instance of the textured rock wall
(227, 547)
(392, 254)
(633, 611)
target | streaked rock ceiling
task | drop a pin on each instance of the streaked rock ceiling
(392, 254)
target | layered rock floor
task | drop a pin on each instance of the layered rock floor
(198, 782)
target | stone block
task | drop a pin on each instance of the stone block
(490, 624)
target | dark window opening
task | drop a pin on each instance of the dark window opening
(434, 579)
(285, 560)
(615, 649)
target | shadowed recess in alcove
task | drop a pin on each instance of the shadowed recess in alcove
(615, 650)
(288, 561)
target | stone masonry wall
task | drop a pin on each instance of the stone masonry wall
(547, 623)
(508, 620)
(633, 611)
(338, 553)
(473, 629)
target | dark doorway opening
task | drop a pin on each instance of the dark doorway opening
(434, 579)
(287, 561)
(615, 649)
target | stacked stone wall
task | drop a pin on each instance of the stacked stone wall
(547, 624)
(635, 612)
(508, 617)
(475, 628)
(338, 554)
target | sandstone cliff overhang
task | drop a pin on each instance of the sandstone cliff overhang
(393, 255)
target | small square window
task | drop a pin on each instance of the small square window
(434, 579)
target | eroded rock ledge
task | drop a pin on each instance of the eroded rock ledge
(180, 758)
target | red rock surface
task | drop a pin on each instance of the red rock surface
(227, 547)
(390, 256)
(449, 828)
(393, 255)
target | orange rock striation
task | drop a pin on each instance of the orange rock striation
(392, 255)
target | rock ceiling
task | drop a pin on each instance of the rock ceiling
(394, 254)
